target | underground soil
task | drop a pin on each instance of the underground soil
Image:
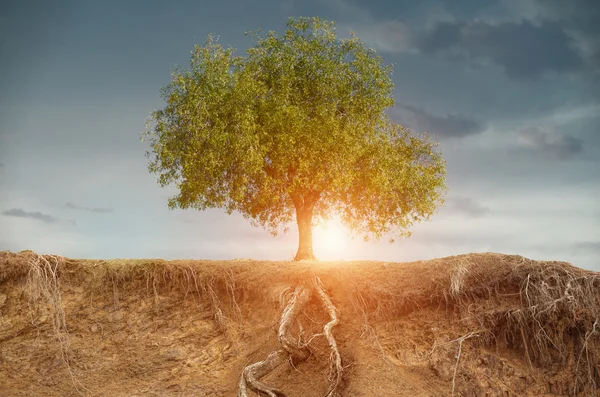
(469, 325)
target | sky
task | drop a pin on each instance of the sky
(510, 89)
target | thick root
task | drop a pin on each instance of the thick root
(291, 345)
(251, 375)
(335, 377)
(292, 348)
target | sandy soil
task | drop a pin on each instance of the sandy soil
(188, 328)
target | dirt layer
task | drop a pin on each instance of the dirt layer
(469, 325)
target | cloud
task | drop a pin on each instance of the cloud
(19, 213)
(78, 207)
(449, 126)
(587, 40)
(535, 38)
(523, 50)
(1, 165)
(559, 146)
(466, 206)
(389, 36)
(443, 36)
(560, 9)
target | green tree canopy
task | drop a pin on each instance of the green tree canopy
(296, 127)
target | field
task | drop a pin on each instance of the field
(470, 325)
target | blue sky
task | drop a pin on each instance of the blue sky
(510, 88)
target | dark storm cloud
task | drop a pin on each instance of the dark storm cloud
(78, 207)
(449, 126)
(469, 8)
(466, 206)
(522, 49)
(562, 147)
(443, 36)
(589, 40)
(561, 9)
(19, 213)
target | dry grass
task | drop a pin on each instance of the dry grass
(43, 290)
(157, 277)
(458, 274)
(548, 310)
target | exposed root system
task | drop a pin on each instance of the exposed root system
(335, 377)
(292, 348)
(251, 375)
(43, 288)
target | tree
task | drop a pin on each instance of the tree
(297, 126)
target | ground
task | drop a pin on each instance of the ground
(469, 325)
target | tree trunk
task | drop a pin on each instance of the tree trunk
(304, 216)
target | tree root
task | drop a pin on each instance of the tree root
(251, 375)
(335, 376)
(300, 298)
(292, 348)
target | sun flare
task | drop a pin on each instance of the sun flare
(331, 240)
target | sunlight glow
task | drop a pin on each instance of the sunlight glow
(331, 241)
